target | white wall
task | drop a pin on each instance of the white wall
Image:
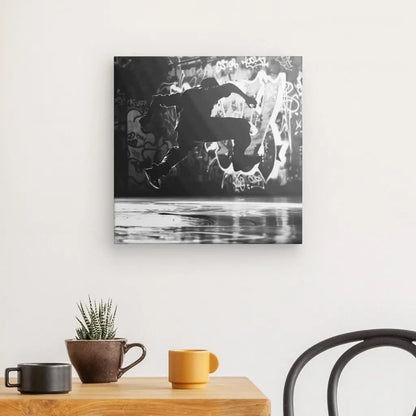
(257, 307)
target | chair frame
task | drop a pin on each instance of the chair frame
(369, 339)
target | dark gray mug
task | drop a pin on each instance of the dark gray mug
(41, 378)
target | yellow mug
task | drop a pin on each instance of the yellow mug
(190, 369)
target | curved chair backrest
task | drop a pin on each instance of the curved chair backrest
(372, 338)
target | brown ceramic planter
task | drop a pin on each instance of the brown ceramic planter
(100, 361)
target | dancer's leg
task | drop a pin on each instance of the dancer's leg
(237, 129)
(173, 157)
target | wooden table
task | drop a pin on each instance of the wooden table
(153, 396)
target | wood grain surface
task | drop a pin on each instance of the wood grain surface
(149, 396)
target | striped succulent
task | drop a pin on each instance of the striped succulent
(98, 320)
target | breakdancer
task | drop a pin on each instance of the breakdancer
(195, 125)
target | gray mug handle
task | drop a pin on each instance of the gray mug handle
(6, 376)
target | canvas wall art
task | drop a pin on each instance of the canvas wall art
(208, 149)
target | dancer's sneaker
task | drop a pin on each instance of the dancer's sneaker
(153, 176)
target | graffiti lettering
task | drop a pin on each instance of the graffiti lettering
(285, 62)
(224, 65)
(252, 62)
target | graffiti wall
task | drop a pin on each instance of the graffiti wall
(275, 123)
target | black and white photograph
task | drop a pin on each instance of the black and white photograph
(208, 149)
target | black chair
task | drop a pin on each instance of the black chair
(367, 340)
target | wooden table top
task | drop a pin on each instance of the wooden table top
(147, 396)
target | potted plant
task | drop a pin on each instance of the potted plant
(96, 353)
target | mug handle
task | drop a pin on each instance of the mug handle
(126, 347)
(213, 363)
(6, 377)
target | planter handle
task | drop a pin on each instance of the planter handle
(126, 347)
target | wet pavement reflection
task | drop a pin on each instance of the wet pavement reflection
(231, 220)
